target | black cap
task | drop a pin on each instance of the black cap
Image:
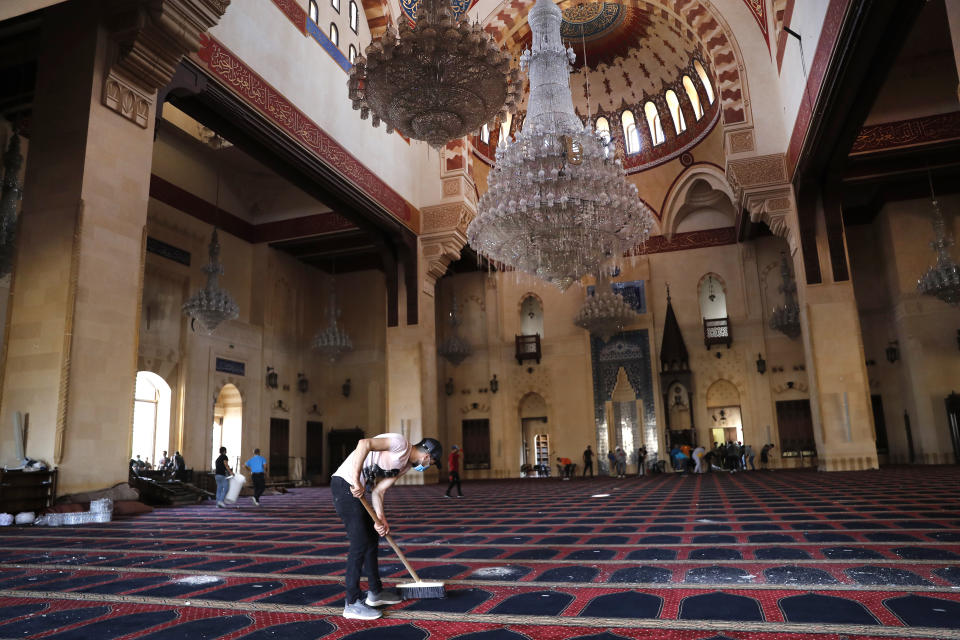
(431, 446)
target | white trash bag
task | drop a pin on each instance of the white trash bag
(237, 481)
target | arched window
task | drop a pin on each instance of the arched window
(485, 133)
(531, 316)
(694, 98)
(354, 17)
(673, 103)
(314, 11)
(336, 5)
(151, 417)
(505, 127)
(713, 297)
(334, 35)
(631, 135)
(603, 128)
(705, 79)
(653, 122)
(352, 54)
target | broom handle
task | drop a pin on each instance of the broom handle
(396, 549)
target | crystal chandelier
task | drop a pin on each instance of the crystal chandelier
(440, 80)
(454, 349)
(943, 279)
(332, 341)
(604, 313)
(9, 197)
(786, 317)
(558, 204)
(211, 305)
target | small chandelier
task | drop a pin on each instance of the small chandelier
(943, 279)
(558, 204)
(9, 196)
(604, 313)
(438, 81)
(211, 305)
(786, 317)
(332, 341)
(454, 349)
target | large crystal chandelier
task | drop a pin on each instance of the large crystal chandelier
(786, 317)
(211, 305)
(604, 313)
(438, 81)
(9, 197)
(557, 204)
(943, 279)
(332, 341)
(454, 349)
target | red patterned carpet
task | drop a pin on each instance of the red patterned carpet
(766, 555)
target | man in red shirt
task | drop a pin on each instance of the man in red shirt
(454, 465)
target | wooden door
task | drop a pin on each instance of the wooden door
(795, 425)
(279, 447)
(340, 444)
(314, 461)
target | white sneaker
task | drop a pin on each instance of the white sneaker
(220, 505)
(360, 611)
(385, 596)
(255, 501)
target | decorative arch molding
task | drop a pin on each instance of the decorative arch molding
(528, 294)
(704, 23)
(723, 393)
(716, 276)
(236, 383)
(775, 208)
(675, 208)
(378, 17)
(532, 383)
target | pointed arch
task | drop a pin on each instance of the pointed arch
(681, 199)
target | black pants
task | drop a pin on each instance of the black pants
(364, 540)
(455, 480)
(259, 485)
(588, 466)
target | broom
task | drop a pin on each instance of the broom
(409, 590)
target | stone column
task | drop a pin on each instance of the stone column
(840, 403)
(72, 351)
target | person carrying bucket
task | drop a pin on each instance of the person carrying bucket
(375, 464)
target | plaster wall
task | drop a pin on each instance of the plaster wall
(300, 69)
(807, 20)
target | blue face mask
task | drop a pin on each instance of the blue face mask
(420, 467)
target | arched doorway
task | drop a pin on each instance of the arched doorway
(535, 450)
(723, 405)
(227, 424)
(151, 417)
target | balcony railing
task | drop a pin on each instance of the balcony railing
(717, 331)
(528, 348)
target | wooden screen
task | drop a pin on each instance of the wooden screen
(476, 444)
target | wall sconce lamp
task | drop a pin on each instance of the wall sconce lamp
(893, 351)
(280, 406)
(495, 384)
(448, 387)
(314, 411)
(761, 364)
(346, 388)
(302, 383)
(272, 378)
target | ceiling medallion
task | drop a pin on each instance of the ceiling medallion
(437, 81)
(558, 204)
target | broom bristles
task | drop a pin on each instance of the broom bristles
(421, 590)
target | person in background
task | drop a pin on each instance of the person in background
(453, 462)
(588, 461)
(621, 458)
(612, 459)
(765, 455)
(642, 461)
(163, 462)
(179, 467)
(385, 457)
(222, 474)
(698, 454)
(566, 466)
(258, 466)
(748, 457)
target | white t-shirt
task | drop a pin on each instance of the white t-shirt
(379, 464)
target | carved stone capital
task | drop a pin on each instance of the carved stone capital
(446, 217)
(151, 37)
(775, 207)
(758, 171)
(437, 251)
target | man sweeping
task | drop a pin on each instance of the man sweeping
(375, 464)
